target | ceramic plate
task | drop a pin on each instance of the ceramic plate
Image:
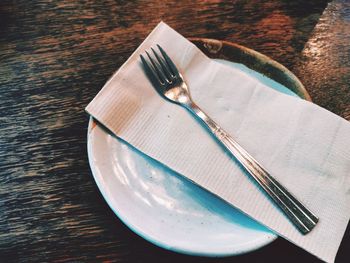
(163, 207)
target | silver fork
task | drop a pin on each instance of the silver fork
(169, 82)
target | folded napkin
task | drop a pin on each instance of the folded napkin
(305, 147)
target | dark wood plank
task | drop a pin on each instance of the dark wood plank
(54, 57)
(324, 65)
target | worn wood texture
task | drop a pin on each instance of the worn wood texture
(54, 58)
(324, 65)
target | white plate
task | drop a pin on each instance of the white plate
(166, 209)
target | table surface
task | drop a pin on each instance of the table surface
(54, 58)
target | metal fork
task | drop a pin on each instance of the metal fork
(169, 82)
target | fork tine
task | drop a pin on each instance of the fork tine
(157, 69)
(151, 74)
(170, 63)
(165, 67)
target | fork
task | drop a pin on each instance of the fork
(169, 82)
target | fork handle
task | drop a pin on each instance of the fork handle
(303, 219)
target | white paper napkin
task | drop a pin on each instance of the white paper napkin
(305, 147)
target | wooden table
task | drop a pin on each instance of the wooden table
(54, 58)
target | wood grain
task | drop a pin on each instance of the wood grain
(324, 64)
(54, 58)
